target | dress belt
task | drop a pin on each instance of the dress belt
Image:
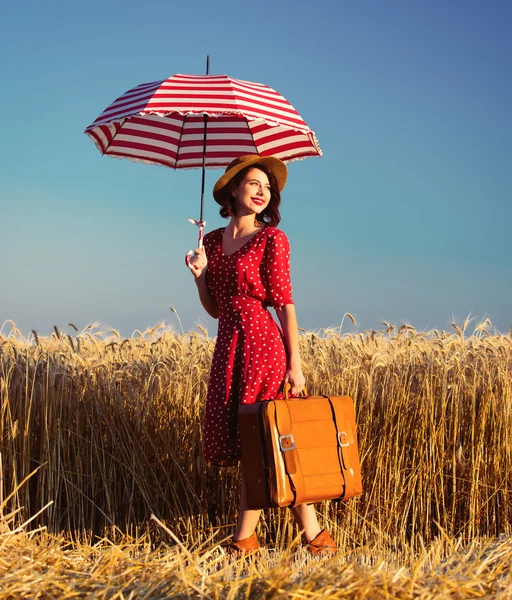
(245, 304)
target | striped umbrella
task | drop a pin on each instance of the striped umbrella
(189, 121)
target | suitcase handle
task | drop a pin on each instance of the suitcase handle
(287, 389)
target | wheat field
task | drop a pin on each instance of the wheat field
(104, 493)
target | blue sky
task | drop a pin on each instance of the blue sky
(406, 217)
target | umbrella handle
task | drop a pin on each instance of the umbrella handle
(201, 225)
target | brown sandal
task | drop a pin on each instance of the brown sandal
(248, 545)
(321, 545)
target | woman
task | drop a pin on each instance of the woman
(241, 270)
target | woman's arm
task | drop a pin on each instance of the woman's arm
(288, 319)
(198, 264)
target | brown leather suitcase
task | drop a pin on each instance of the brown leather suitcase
(299, 450)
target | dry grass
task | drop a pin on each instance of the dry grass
(112, 429)
(53, 567)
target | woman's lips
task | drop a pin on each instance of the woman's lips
(258, 201)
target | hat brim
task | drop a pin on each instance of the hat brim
(274, 164)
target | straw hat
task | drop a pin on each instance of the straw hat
(273, 164)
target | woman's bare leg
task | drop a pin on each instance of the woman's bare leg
(305, 516)
(247, 519)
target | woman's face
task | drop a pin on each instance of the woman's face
(253, 193)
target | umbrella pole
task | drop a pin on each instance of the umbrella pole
(201, 224)
(205, 116)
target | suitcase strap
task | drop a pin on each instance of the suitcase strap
(289, 452)
(343, 447)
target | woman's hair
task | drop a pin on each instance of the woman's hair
(270, 216)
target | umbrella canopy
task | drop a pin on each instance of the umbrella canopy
(163, 123)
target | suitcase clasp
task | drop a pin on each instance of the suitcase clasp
(286, 442)
(343, 439)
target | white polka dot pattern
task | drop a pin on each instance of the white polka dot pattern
(250, 357)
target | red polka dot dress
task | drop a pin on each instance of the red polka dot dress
(250, 356)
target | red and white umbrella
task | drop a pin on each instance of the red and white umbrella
(191, 121)
(163, 123)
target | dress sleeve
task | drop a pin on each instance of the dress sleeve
(276, 270)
